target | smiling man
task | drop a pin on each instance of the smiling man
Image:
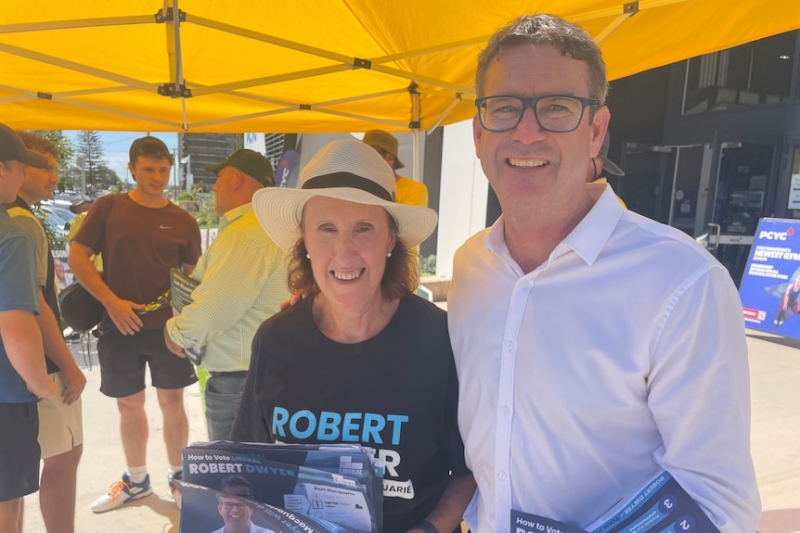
(141, 235)
(593, 346)
(232, 507)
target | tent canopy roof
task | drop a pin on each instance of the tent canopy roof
(327, 66)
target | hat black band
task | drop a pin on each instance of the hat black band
(346, 179)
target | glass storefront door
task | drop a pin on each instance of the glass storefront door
(690, 189)
(668, 183)
(675, 185)
(741, 195)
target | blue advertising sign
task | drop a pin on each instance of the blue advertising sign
(285, 168)
(770, 289)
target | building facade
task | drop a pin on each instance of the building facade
(200, 149)
(710, 145)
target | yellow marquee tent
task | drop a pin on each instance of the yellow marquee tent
(311, 65)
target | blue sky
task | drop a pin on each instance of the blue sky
(117, 143)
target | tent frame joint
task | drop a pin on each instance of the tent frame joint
(44, 96)
(305, 107)
(169, 89)
(631, 8)
(162, 18)
(359, 62)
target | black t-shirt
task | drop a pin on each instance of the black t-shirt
(396, 392)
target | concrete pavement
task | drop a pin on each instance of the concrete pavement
(775, 379)
(103, 462)
(775, 435)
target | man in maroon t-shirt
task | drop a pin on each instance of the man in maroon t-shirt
(141, 236)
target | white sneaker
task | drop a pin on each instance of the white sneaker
(122, 492)
(174, 488)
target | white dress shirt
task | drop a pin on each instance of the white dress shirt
(622, 353)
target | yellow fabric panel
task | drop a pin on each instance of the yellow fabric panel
(260, 66)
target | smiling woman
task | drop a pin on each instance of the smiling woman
(361, 359)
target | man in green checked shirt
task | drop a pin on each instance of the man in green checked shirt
(242, 282)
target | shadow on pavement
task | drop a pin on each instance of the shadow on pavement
(162, 506)
(779, 521)
(775, 339)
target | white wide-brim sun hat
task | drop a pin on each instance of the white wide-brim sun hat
(346, 170)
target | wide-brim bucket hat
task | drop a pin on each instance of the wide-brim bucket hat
(346, 170)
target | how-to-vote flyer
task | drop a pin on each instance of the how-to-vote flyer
(770, 289)
(334, 488)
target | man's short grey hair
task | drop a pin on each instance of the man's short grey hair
(569, 39)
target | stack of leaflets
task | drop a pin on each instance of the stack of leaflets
(181, 287)
(658, 505)
(291, 488)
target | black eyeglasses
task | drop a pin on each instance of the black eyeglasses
(230, 505)
(557, 113)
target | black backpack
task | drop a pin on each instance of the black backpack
(79, 309)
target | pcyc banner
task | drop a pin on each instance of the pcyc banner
(770, 289)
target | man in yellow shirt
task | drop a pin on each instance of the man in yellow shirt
(242, 279)
(409, 192)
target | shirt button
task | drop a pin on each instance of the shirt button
(505, 410)
(509, 346)
(502, 474)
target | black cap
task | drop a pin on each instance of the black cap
(78, 200)
(12, 147)
(251, 163)
(608, 165)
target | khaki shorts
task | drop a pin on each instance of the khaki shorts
(60, 426)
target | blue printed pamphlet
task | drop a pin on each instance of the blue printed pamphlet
(660, 505)
(206, 510)
(338, 485)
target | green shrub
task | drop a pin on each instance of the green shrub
(428, 267)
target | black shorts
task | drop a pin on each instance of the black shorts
(19, 450)
(123, 359)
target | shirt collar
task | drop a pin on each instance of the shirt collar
(589, 236)
(495, 238)
(592, 233)
(234, 214)
(19, 202)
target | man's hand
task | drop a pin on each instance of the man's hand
(74, 382)
(293, 300)
(43, 390)
(171, 346)
(123, 314)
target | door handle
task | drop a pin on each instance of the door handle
(714, 232)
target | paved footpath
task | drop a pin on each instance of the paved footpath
(103, 462)
(775, 378)
(775, 436)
